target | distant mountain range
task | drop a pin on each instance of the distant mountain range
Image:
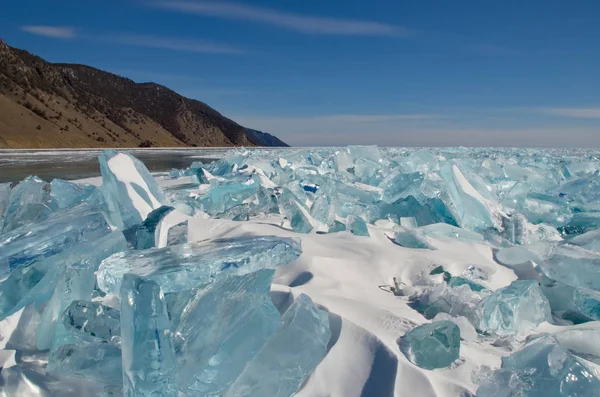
(52, 105)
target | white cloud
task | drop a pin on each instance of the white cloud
(59, 32)
(302, 23)
(581, 113)
(172, 44)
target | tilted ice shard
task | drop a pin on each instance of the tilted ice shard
(76, 282)
(574, 266)
(4, 198)
(442, 298)
(92, 322)
(398, 185)
(518, 307)
(62, 230)
(36, 282)
(445, 231)
(542, 368)
(147, 349)
(130, 191)
(289, 356)
(357, 226)
(65, 194)
(411, 238)
(433, 345)
(295, 213)
(100, 362)
(221, 329)
(178, 234)
(474, 211)
(193, 265)
(27, 203)
(575, 304)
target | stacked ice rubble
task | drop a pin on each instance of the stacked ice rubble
(109, 285)
(105, 311)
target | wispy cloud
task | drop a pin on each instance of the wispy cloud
(580, 113)
(59, 32)
(172, 44)
(308, 24)
(175, 44)
(372, 118)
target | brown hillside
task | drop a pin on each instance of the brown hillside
(62, 105)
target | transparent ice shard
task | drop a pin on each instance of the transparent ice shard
(357, 226)
(539, 208)
(295, 213)
(474, 211)
(178, 234)
(227, 194)
(411, 238)
(575, 304)
(148, 357)
(446, 231)
(100, 362)
(91, 322)
(442, 298)
(130, 191)
(398, 185)
(289, 356)
(431, 346)
(27, 203)
(4, 199)
(467, 330)
(221, 329)
(370, 152)
(574, 266)
(542, 368)
(65, 194)
(36, 282)
(518, 307)
(429, 212)
(192, 265)
(64, 229)
(76, 283)
(323, 209)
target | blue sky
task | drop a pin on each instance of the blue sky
(336, 72)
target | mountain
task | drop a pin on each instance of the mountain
(264, 139)
(57, 105)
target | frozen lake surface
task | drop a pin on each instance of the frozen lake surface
(72, 164)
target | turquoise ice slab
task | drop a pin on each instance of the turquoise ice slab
(193, 265)
(131, 193)
(431, 346)
(35, 282)
(221, 329)
(76, 283)
(543, 368)
(4, 198)
(62, 230)
(148, 357)
(357, 226)
(518, 307)
(85, 321)
(292, 210)
(289, 356)
(99, 362)
(27, 203)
